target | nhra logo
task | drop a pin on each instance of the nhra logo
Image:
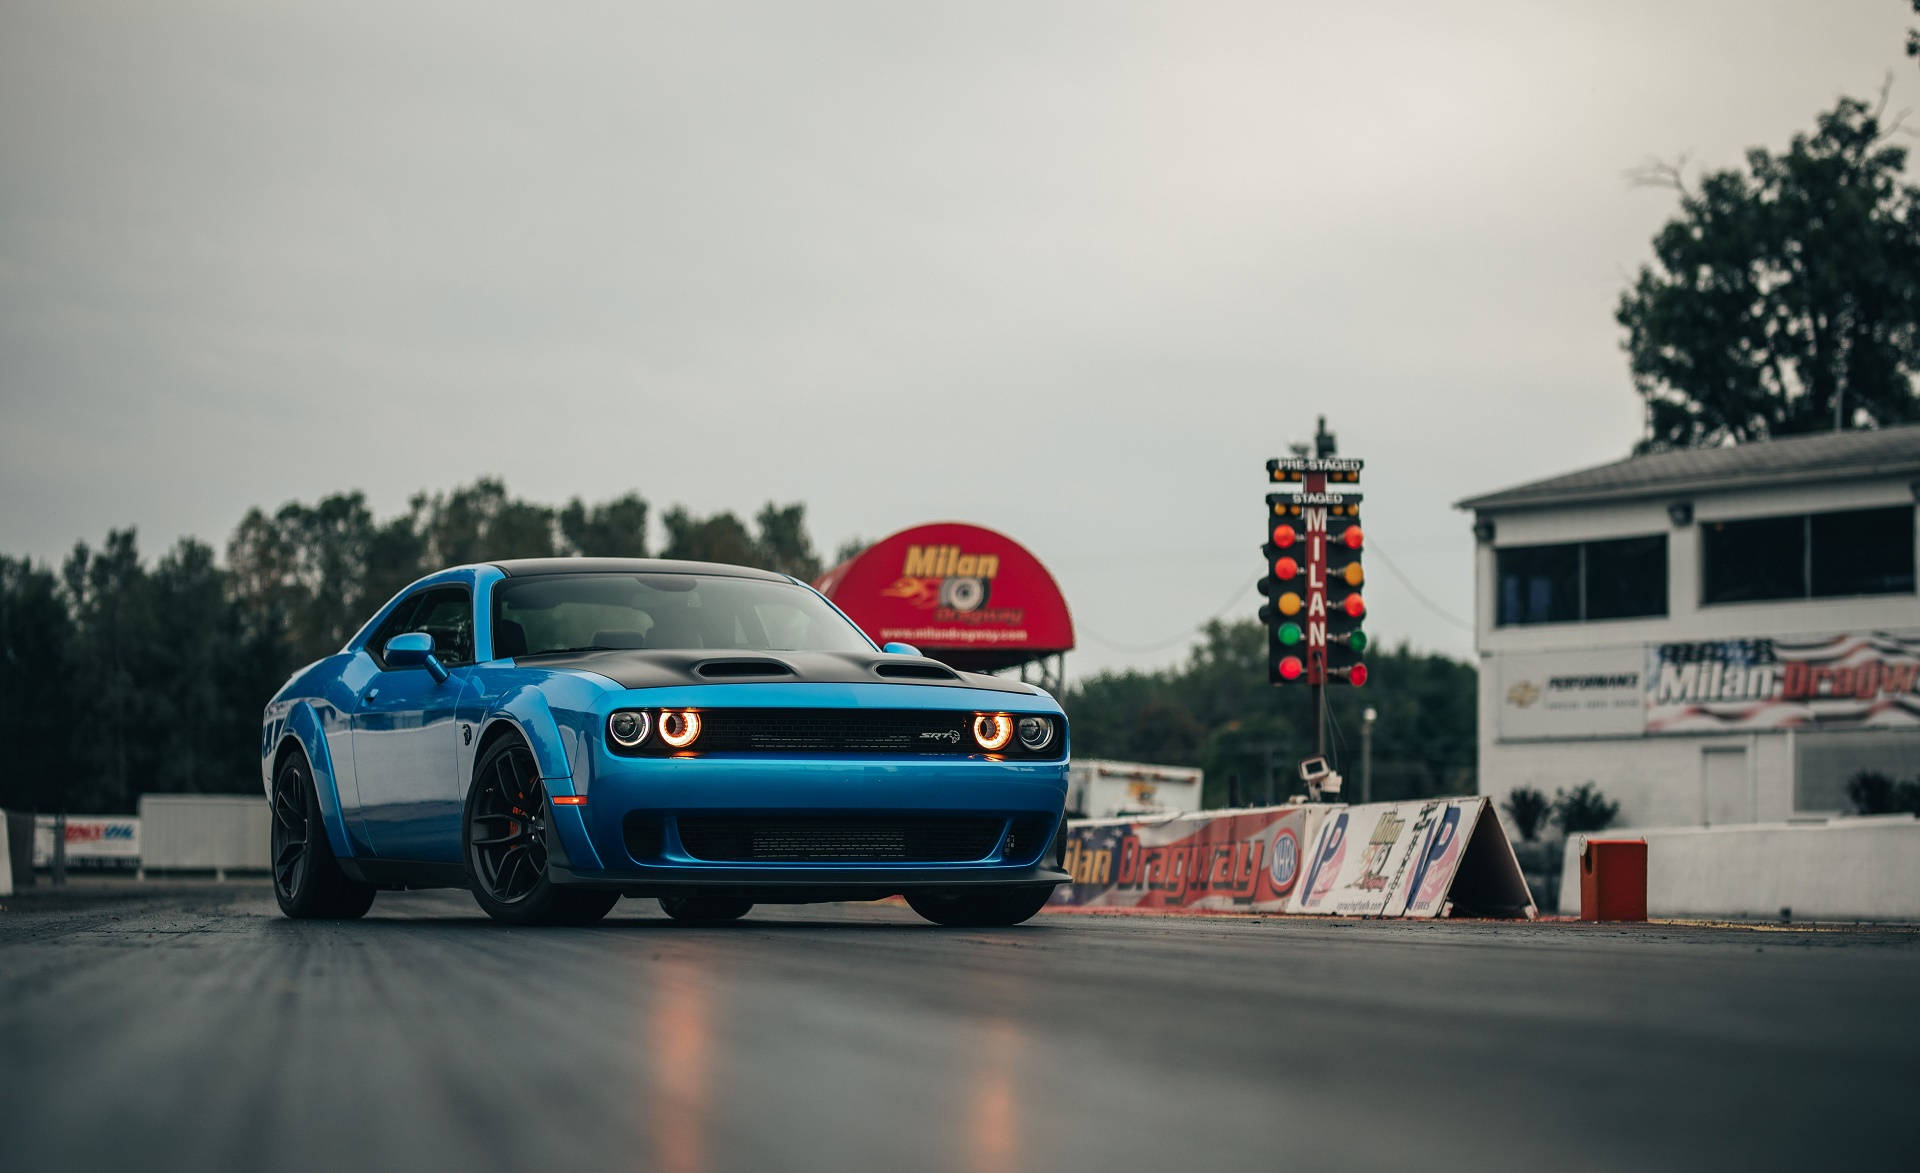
(1286, 860)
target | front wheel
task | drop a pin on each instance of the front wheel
(307, 880)
(504, 841)
(989, 909)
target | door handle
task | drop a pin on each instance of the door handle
(371, 693)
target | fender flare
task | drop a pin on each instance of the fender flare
(527, 711)
(304, 729)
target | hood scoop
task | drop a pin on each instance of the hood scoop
(914, 670)
(741, 669)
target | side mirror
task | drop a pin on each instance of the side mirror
(414, 649)
(898, 649)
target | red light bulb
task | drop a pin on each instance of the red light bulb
(1355, 606)
(1283, 536)
(1353, 537)
(1286, 568)
(1290, 668)
(1357, 675)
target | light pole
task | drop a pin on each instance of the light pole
(1366, 755)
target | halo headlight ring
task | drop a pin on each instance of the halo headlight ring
(992, 731)
(679, 728)
(628, 728)
(1035, 733)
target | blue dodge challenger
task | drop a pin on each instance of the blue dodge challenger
(556, 733)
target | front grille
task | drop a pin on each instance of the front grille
(844, 730)
(839, 838)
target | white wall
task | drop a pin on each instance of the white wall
(1842, 869)
(204, 832)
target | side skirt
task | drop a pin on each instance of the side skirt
(392, 874)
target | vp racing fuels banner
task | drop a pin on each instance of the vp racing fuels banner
(1440, 857)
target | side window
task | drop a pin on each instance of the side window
(445, 613)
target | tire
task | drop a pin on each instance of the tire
(503, 845)
(991, 909)
(307, 880)
(705, 908)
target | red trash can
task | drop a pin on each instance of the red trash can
(1613, 879)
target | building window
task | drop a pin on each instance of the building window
(1862, 552)
(1624, 578)
(1808, 556)
(1761, 558)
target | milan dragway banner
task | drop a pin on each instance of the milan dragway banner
(1854, 681)
(1221, 861)
(1441, 857)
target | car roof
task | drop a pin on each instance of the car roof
(521, 567)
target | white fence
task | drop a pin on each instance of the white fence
(1865, 868)
(204, 832)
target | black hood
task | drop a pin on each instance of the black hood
(664, 669)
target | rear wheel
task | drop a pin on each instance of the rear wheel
(705, 908)
(307, 880)
(994, 908)
(504, 842)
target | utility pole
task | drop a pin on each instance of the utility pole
(1366, 754)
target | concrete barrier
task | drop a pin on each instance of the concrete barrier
(204, 832)
(1865, 868)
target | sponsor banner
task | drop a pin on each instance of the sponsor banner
(1598, 693)
(1387, 859)
(1854, 681)
(1238, 861)
(953, 587)
(92, 841)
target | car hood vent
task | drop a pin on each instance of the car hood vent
(911, 670)
(738, 669)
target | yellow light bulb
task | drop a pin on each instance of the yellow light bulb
(1289, 604)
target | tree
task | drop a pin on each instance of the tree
(36, 634)
(1583, 809)
(612, 529)
(1784, 298)
(1528, 808)
(1218, 712)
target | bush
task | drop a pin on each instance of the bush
(1874, 793)
(1583, 809)
(1528, 808)
(1871, 792)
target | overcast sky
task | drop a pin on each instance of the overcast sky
(1071, 271)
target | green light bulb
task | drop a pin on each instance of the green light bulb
(1289, 634)
(1357, 641)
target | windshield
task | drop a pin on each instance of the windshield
(581, 612)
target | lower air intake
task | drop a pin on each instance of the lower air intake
(815, 839)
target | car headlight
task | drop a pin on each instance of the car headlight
(679, 728)
(628, 727)
(1035, 733)
(992, 730)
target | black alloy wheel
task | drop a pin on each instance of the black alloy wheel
(307, 881)
(506, 829)
(505, 840)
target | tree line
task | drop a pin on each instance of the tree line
(122, 675)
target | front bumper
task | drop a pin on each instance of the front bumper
(589, 845)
